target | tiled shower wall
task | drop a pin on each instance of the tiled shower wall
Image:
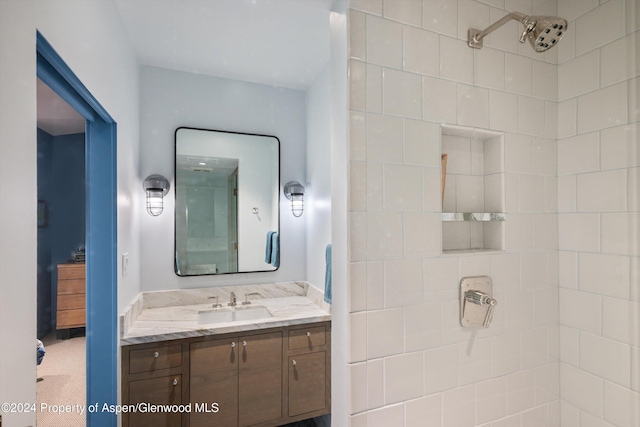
(598, 175)
(411, 363)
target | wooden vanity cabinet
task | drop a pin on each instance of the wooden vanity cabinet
(262, 378)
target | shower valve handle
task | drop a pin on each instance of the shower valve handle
(482, 299)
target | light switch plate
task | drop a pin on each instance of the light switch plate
(125, 264)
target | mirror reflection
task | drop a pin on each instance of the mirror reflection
(226, 201)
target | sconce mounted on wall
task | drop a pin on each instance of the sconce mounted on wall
(156, 187)
(294, 191)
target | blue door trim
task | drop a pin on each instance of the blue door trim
(101, 230)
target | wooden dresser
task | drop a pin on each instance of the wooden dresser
(71, 311)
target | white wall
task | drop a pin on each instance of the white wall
(598, 189)
(317, 212)
(90, 38)
(410, 361)
(170, 99)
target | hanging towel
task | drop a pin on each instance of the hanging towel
(327, 275)
(269, 247)
(275, 250)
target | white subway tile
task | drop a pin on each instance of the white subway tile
(633, 15)
(519, 311)
(634, 96)
(458, 149)
(545, 81)
(449, 202)
(357, 186)
(441, 274)
(456, 236)
(552, 194)
(477, 157)
(357, 388)
(422, 327)
(494, 193)
(603, 108)
(384, 245)
(602, 191)
(567, 194)
(479, 265)
(570, 415)
(620, 234)
(357, 85)
(432, 196)
(384, 42)
(402, 188)
(518, 153)
(357, 35)
(403, 377)
(358, 420)
(505, 354)
(494, 155)
(369, 6)
(440, 16)
(471, 14)
(578, 76)
(633, 186)
(567, 118)
(407, 11)
(534, 348)
(491, 397)
(384, 139)
(459, 407)
(579, 154)
(545, 231)
(489, 71)
(619, 320)
(439, 100)
(503, 111)
(567, 47)
(605, 358)
(456, 60)
(569, 346)
(401, 93)
(475, 362)
(518, 77)
(621, 406)
(581, 389)
(403, 283)
(546, 304)
(357, 286)
(424, 411)
(550, 120)
(440, 369)
(375, 285)
(421, 234)
(547, 385)
(375, 186)
(420, 49)
(580, 310)
(357, 136)
(512, 192)
(421, 143)
(532, 193)
(387, 416)
(545, 156)
(375, 382)
(374, 89)
(358, 334)
(469, 193)
(520, 391)
(357, 236)
(635, 369)
(619, 59)
(605, 275)
(572, 9)
(385, 335)
(504, 38)
(619, 147)
(600, 26)
(519, 232)
(473, 106)
(505, 271)
(568, 269)
(531, 116)
(579, 232)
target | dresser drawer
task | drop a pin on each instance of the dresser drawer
(71, 271)
(154, 358)
(71, 318)
(72, 301)
(308, 338)
(72, 286)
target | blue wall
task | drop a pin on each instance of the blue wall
(61, 182)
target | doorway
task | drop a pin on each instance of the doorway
(101, 231)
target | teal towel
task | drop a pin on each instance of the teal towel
(275, 250)
(269, 247)
(327, 275)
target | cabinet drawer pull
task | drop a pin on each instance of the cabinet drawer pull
(233, 344)
(175, 381)
(156, 354)
(244, 343)
(293, 362)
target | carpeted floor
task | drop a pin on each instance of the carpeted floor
(61, 381)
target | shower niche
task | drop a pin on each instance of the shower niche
(473, 190)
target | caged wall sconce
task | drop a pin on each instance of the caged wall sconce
(156, 187)
(294, 191)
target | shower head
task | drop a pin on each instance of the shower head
(543, 32)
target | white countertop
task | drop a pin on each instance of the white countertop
(169, 315)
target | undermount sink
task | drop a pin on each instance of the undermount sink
(222, 315)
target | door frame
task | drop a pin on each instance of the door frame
(101, 231)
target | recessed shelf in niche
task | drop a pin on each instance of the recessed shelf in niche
(473, 203)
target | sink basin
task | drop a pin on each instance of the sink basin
(238, 314)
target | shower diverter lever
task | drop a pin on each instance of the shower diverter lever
(476, 302)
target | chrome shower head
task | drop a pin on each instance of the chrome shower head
(543, 32)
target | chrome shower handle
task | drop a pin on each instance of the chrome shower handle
(484, 300)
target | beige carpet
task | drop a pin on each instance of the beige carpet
(61, 381)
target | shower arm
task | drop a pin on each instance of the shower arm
(475, 36)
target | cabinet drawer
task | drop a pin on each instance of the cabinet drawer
(70, 302)
(156, 391)
(153, 358)
(307, 383)
(308, 338)
(71, 286)
(71, 272)
(71, 318)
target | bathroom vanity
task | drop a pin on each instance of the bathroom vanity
(265, 371)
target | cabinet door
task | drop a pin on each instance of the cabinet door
(307, 383)
(260, 379)
(214, 378)
(156, 391)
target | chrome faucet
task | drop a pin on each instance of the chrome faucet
(232, 299)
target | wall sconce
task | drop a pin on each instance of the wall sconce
(294, 191)
(156, 187)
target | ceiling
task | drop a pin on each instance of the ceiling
(282, 43)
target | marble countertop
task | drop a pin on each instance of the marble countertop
(169, 315)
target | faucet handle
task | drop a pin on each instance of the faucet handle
(216, 304)
(246, 297)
